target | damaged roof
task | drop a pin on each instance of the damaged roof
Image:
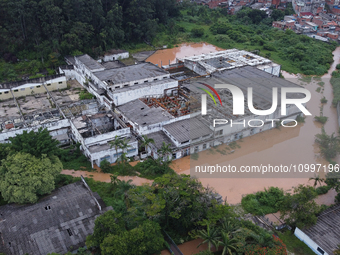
(56, 223)
(142, 114)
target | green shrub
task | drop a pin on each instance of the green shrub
(85, 95)
(263, 202)
(322, 190)
(105, 166)
(151, 169)
(197, 32)
(338, 66)
(324, 100)
(321, 119)
(300, 119)
(318, 89)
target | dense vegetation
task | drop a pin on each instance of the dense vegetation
(251, 30)
(263, 202)
(179, 205)
(36, 35)
(28, 167)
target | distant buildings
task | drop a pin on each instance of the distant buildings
(57, 223)
(321, 27)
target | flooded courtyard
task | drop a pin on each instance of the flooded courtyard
(169, 56)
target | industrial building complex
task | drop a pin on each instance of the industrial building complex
(129, 102)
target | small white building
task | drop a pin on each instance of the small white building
(113, 55)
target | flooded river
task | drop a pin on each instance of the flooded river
(164, 57)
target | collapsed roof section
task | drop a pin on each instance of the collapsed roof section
(228, 59)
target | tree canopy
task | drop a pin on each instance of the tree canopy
(24, 177)
(111, 235)
(35, 143)
(67, 26)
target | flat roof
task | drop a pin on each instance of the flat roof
(188, 129)
(130, 73)
(160, 137)
(113, 64)
(144, 85)
(106, 146)
(138, 112)
(89, 62)
(326, 231)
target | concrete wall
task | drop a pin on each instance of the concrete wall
(52, 127)
(117, 56)
(69, 73)
(112, 155)
(136, 82)
(120, 98)
(310, 243)
(26, 89)
(144, 130)
(103, 138)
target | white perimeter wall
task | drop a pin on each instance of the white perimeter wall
(310, 243)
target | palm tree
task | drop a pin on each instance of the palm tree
(124, 144)
(228, 243)
(122, 158)
(116, 144)
(317, 180)
(165, 150)
(227, 227)
(123, 187)
(146, 142)
(115, 181)
(210, 236)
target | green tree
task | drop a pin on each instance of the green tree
(317, 180)
(197, 32)
(210, 236)
(300, 209)
(277, 14)
(35, 143)
(146, 142)
(124, 144)
(228, 243)
(145, 239)
(109, 223)
(23, 177)
(329, 144)
(116, 143)
(165, 152)
(105, 166)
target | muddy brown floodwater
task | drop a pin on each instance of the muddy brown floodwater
(285, 146)
(103, 177)
(162, 57)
